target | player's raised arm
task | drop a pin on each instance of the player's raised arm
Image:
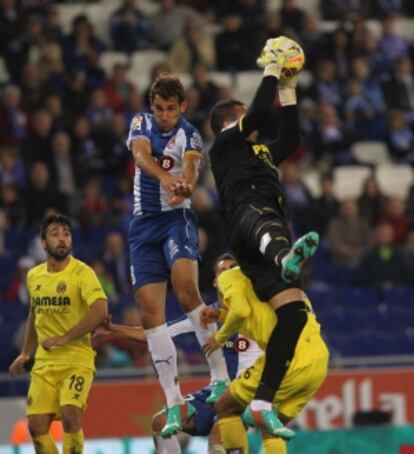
(30, 340)
(289, 129)
(273, 58)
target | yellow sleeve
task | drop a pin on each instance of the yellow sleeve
(91, 289)
(234, 295)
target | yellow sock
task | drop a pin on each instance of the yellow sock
(233, 435)
(44, 444)
(73, 443)
(274, 446)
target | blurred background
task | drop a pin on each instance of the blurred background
(72, 76)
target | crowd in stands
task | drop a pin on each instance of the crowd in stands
(64, 121)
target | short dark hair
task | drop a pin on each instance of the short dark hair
(54, 219)
(221, 112)
(220, 258)
(166, 86)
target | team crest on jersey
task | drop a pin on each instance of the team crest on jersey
(61, 287)
(171, 144)
(136, 122)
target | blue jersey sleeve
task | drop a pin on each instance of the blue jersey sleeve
(138, 129)
(193, 140)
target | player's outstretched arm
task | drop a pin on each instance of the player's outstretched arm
(30, 340)
(97, 314)
(272, 60)
(141, 151)
(289, 128)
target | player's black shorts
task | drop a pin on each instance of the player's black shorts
(241, 236)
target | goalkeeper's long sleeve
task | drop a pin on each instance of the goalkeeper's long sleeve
(261, 106)
(289, 135)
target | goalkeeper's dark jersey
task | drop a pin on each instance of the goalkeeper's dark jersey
(245, 171)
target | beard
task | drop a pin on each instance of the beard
(58, 253)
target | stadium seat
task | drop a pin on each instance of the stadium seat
(394, 180)
(370, 152)
(311, 179)
(222, 78)
(349, 181)
(246, 85)
(143, 61)
(305, 79)
(109, 58)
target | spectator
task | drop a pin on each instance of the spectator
(105, 280)
(41, 194)
(12, 170)
(193, 47)
(331, 139)
(98, 112)
(94, 206)
(37, 145)
(209, 91)
(400, 138)
(326, 206)
(13, 118)
(13, 207)
(298, 198)
(348, 234)
(371, 202)
(391, 45)
(399, 89)
(156, 70)
(118, 88)
(53, 104)
(130, 29)
(116, 262)
(169, 23)
(292, 16)
(17, 292)
(88, 157)
(64, 170)
(383, 264)
(81, 47)
(408, 255)
(395, 215)
(235, 49)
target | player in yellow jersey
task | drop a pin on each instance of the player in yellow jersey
(66, 303)
(256, 320)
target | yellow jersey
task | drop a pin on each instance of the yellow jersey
(60, 301)
(245, 313)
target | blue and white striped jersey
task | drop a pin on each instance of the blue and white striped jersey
(168, 149)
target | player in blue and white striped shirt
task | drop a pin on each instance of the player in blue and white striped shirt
(163, 236)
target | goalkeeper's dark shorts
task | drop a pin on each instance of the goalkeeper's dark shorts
(242, 227)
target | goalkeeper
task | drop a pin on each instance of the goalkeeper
(254, 206)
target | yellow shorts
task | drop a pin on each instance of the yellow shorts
(51, 387)
(304, 377)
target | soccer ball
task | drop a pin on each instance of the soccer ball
(294, 63)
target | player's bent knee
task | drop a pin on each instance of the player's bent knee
(71, 418)
(38, 425)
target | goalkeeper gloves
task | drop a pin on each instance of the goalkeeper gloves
(274, 55)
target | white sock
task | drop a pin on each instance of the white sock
(260, 405)
(216, 361)
(168, 445)
(164, 358)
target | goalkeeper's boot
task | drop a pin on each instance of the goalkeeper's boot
(269, 421)
(177, 416)
(217, 389)
(277, 51)
(301, 250)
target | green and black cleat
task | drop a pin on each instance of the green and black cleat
(302, 249)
